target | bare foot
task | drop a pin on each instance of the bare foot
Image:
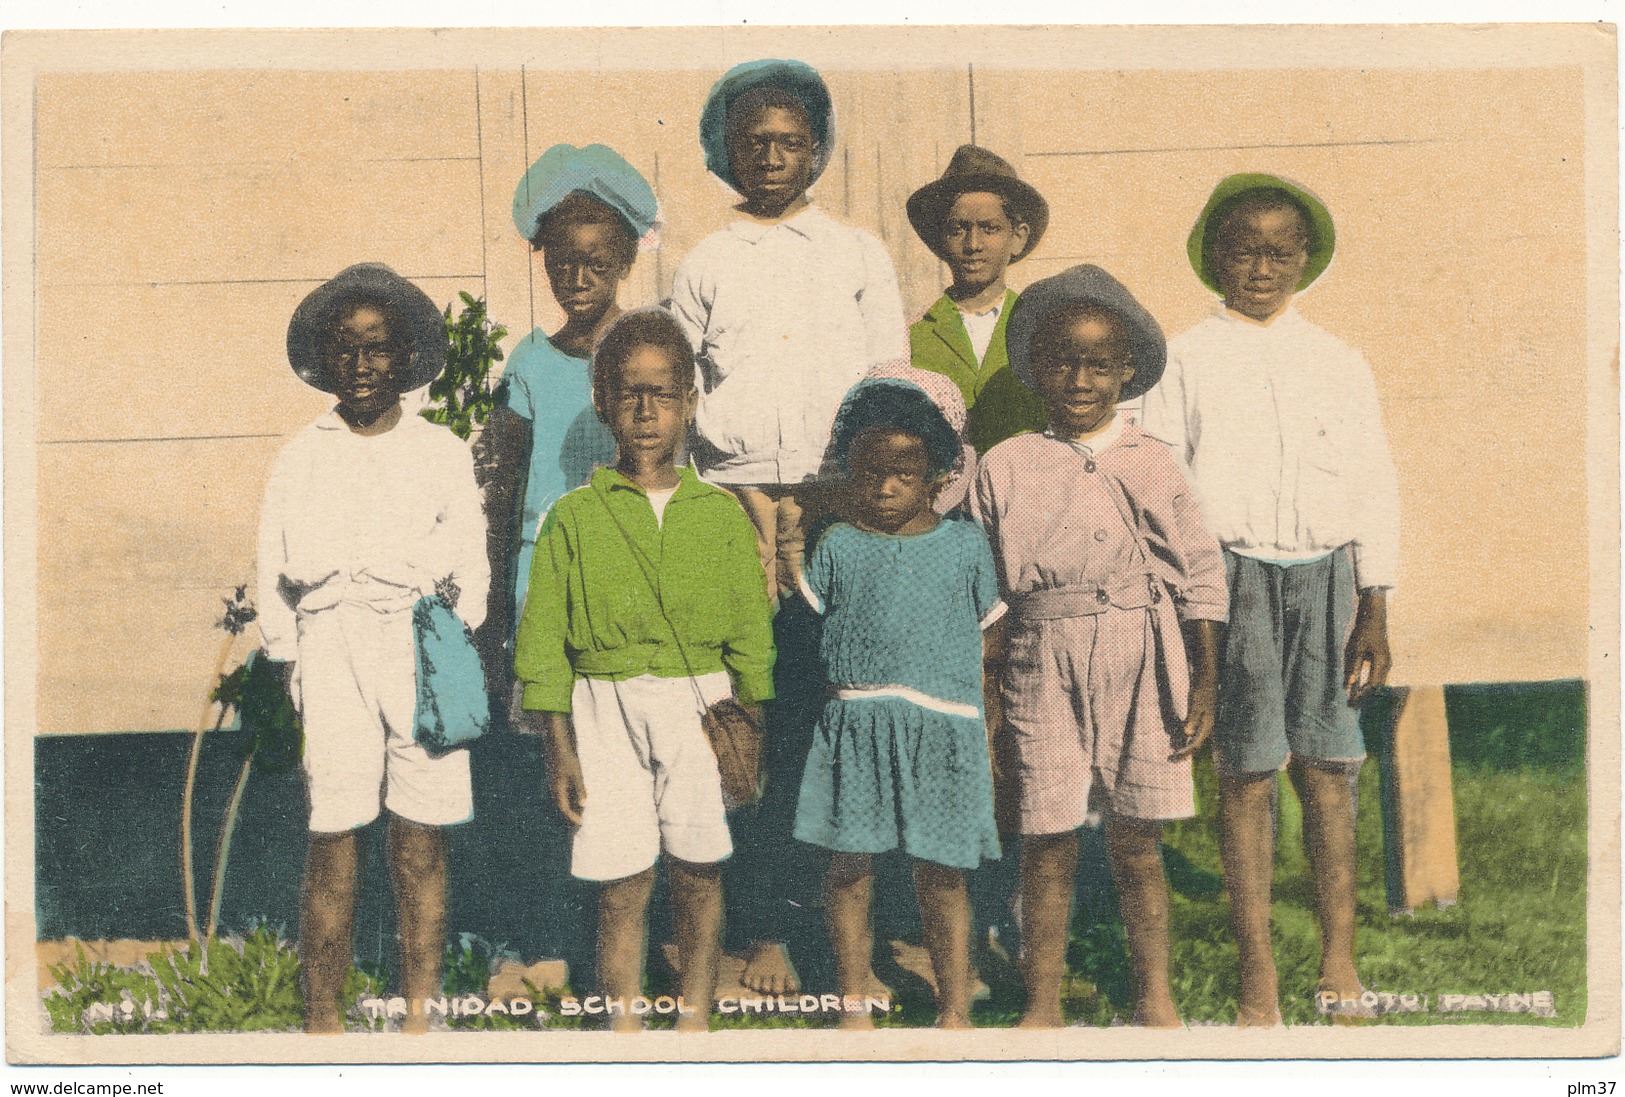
(1042, 1018)
(768, 970)
(856, 1022)
(1157, 1013)
(1340, 997)
(323, 1024)
(1259, 1005)
(625, 1022)
(953, 1020)
(415, 1024)
(693, 1022)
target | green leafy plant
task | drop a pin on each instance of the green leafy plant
(463, 396)
(273, 741)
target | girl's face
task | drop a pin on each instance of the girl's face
(890, 482)
(1080, 365)
(365, 360)
(585, 268)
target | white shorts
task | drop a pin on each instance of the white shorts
(650, 775)
(358, 693)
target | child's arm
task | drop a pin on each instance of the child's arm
(276, 618)
(540, 658)
(563, 764)
(509, 437)
(1367, 659)
(468, 567)
(881, 305)
(749, 653)
(1202, 640)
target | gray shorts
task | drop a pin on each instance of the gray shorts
(1281, 693)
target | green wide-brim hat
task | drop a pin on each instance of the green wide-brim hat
(1322, 236)
(796, 77)
(371, 283)
(976, 170)
(1092, 285)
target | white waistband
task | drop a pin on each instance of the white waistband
(905, 693)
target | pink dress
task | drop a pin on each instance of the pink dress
(1101, 552)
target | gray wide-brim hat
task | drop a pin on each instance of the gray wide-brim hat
(372, 283)
(796, 77)
(1087, 284)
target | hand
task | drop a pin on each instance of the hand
(1199, 716)
(1367, 659)
(564, 769)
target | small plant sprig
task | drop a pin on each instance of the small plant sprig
(463, 396)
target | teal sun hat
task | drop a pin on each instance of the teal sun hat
(796, 77)
(368, 283)
(597, 170)
(1230, 191)
(1087, 284)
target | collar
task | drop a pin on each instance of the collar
(333, 421)
(809, 223)
(611, 479)
(1286, 318)
(996, 308)
(1120, 428)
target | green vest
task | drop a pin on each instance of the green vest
(999, 406)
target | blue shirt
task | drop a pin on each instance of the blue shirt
(552, 390)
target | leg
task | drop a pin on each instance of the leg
(846, 908)
(326, 907)
(623, 913)
(945, 914)
(417, 865)
(1049, 870)
(1142, 897)
(1247, 853)
(1328, 837)
(696, 902)
(763, 510)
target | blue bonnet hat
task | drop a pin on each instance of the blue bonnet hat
(597, 170)
(796, 77)
(901, 405)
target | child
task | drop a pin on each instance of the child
(648, 597)
(584, 212)
(368, 510)
(978, 218)
(1101, 552)
(899, 757)
(1279, 424)
(787, 309)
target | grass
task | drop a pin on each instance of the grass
(1519, 927)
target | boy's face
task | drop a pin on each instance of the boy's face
(980, 241)
(647, 404)
(771, 153)
(890, 485)
(585, 267)
(1080, 365)
(1260, 256)
(365, 361)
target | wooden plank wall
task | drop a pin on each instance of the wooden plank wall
(182, 215)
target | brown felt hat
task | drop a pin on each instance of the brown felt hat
(974, 169)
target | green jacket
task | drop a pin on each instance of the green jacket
(999, 406)
(592, 613)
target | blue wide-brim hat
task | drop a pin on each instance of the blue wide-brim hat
(1230, 191)
(1087, 283)
(900, 405)
(597, 170)
(796, 77)
(425, 332)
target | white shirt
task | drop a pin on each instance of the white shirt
(979, 326)
(372, 521)
(658, 500)
(784, 319)
(1281, 430)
